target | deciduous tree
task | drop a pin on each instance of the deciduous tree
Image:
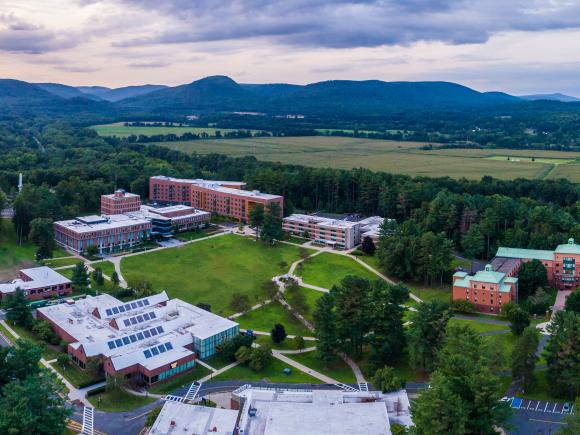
(531, 276)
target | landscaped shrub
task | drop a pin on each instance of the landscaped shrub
(462, 306)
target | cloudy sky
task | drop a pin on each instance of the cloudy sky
(518, 46)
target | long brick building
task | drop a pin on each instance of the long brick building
(120, 202)
(37, 283)
(148, 340)
(225, 198)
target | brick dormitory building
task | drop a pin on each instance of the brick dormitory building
(224, 198)
(488, 290)
(37, 283)
(147, 340)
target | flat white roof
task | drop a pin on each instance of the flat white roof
(149, 212)
(144, 329)
(198, 180)
(41, 277)
(321, 412)
(89, 224)
(190, 419)
(321, 221)
(124, 195)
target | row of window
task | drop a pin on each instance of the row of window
(174, 371)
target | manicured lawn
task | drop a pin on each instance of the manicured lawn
(106, 266)
(296, 239)
(506, 343)
(186, 379)
(118, 401)
(61, 262)
(210, 271)
(310, 296)
(48, 353)
(326, 270)
(264, 318)
(338, 370)
(287, 344)
(372, 261)
(273, 373)
(429, 293)
(191, 235)
(217, 361)
(480, 326)
(402, 368)
(75, 375)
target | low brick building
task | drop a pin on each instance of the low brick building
(488, 290)
(148, 340)
(37, 283)
(224, 198)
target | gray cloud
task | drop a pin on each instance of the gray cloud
(148, 65)
(351, 23)
(19, 36)
(77, 69)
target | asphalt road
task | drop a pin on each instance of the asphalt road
(529, 422)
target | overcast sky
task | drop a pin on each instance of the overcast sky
(517, 46)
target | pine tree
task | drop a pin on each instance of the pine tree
(524, 357)
(325, 329)
(272, 229)
(278, 333)
(256, 218)
(368, 246)
(17, 309)
(80, 277)
(427, 332)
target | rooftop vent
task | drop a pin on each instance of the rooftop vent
(488, 268)
(571, 241)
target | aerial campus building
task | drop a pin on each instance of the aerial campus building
(147, 340)
(37, 283)
(278, 411)
(336, 233)
(488, 289)
(225, 198)
(124, 223)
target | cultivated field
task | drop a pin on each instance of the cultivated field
(395, 157)
(120, 130)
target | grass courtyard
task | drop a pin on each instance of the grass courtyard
(210, 271)
(264, 318)
(274, 372)
(118, 401)
(338, 370)
(326, 270)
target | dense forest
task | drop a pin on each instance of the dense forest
(76, 166)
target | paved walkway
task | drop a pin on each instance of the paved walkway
(218, 372)
(255, 307)
(560, 300)
(355, 368)
(326, 379)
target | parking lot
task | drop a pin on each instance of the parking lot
(539, 406)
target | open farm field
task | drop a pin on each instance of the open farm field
(395, 157)
(120, 130)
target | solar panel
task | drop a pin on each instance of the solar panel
(127, 307)
(140, 319)
(133, 305)
(121, 309)
(146, 302)
(140, 303)
(115, 310)
(146, 316)
(161, 348)
(126, 340)
(154, 351)
(168, 346)
(140, 336)
(153, 331)
(147, 353)
(111, 345)
(119, 342)
(127, 322)
(133, 321)
(152, 315)
(147, 334)
(109, 312)
(133, 338)
(160, 329)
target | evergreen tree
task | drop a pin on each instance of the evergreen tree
(299, 343)
(561, 354)
(42, 235)
(325, 328)
(473, 242)
(98, 276)
(531, 276)
(278, 333)
(524, 357)
(427, 332)
(368, 246)
(573, 302)
(519, 320)
(17, 309)
(386, 380)
(115, 278)
(465, 378)
(80, 276)
(256, 218)
(272, 229)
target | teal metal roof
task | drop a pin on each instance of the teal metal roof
(510, 279)
(569, 248)
(504, 288)
(488, 276)
(532, 254)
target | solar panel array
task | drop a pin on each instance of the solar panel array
(156, 350)
(145, 317)
(133, 338)
(126, 307)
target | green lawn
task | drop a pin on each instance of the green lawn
(480, 326)
(326, 270)
(339, 370)
(118, 401)
(429, 293)
(106, 266)
(75, 375)
(191, 235)
(541, 390)
(212, 270)
(287, 344)
(297, 239)
(310, 296)
(217, 361)
(14, 257)
(186, 379)
(48, 353)
(506, 343)
(264, 319)
(372, 261)
(61, 262)
(120, 130)
(272, 373)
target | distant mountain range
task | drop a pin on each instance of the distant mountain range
(222, 94)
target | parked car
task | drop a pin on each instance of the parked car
(566, 407)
